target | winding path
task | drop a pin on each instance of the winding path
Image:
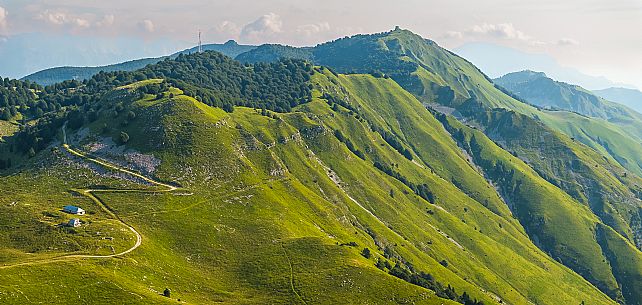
(90, 193)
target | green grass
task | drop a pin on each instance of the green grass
(260, 220)
(7, 129)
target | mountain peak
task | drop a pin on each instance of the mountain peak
(530, 73)
(523, 76)
(231, 42)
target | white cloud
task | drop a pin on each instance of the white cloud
(313, 29)
(147, 26)
(264, 28)
(60, 18)
(108, 20)
(567, 42)
(501, 31)
(223, 31)
(454, 34)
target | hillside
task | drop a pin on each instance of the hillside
(608, 127)
(60, 74)
(628, 97)
(450, 84)
(297, 184)
(545, 92)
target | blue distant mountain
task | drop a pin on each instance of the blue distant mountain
(497, 60)
(628, 97)
(24, 54)
(59, 74)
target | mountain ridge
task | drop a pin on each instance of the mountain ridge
(629, 97)
(59, 74)
(345, 170)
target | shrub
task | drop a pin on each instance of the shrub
(124, 137)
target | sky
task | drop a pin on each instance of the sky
(596, 37)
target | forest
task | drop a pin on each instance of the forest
(209, 77)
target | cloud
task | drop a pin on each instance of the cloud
(3, 20)
(60, 18)
(63, 19)
(313, 29)
(500, 31)
(147, 26)
(567, 42)
(108, 20)
(454, 34)
(265, 28)
(507, 32)
(223, 31)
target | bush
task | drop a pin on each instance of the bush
(124, 137)
(366, 253)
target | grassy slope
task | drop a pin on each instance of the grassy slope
(265, 219)
(623, 257)
(222, 244)
(551, 216)
(611, 195)
(610, 128)
(7, 129)
(617, 142)
(446, 197)
(438, 66)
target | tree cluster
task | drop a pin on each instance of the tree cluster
(391, 139)
(362, 54)
(421, 190)
(349, 145)
(333, 101)
(427, 281)
(217, 80)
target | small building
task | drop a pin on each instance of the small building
(74, 223)
(73, 210)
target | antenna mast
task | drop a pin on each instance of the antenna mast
(200, 45)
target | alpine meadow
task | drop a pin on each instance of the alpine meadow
(377, 168)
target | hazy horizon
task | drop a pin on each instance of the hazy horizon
(38, 34)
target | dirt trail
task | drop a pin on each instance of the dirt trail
(90, 193)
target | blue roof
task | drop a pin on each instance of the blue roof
(72, 208)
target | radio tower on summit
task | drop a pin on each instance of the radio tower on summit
(200, 44)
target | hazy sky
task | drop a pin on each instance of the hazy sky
(597, 37)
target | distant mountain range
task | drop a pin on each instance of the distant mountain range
(629, 97)
(59, 74)
(538, 88)
(496, 60)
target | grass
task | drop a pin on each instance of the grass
(591, 160)
(7, 129)
(269, 206)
